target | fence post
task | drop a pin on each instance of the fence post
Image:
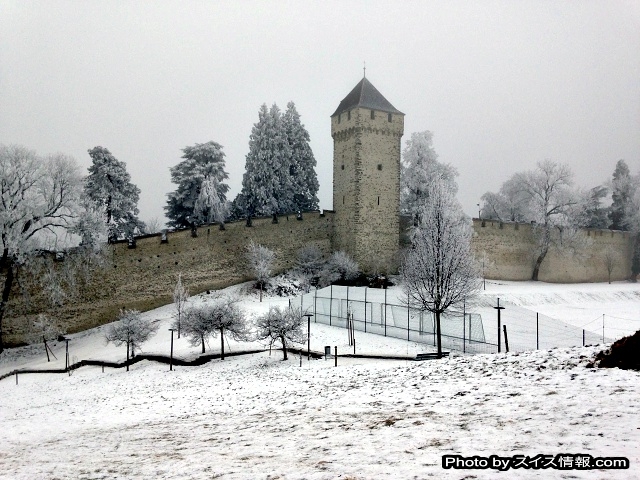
(506, 339)
(537, 333)
(603, 328)
(315, 306)
(365, 309)
(499, 333)
(464, 321)
(330, 303)
(464, 324)
(335, 355)
(583, 337)
(408, 318)
(16, 378)
(385, 312)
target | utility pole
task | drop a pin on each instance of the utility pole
(499, 333)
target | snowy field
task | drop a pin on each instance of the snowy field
(256, 417)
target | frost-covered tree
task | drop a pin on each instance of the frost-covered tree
(45, 328)
(203, 163)
(109, 187)
(439, 271)
(510, 204)
(260, 261)
(131, 330)
(339, 268)
(211, 206)
(594, 214)
(309, 264)
(42, 207)
(222, 316)
(622, 191)
(304, 181)
(420, 170)
(281, 325)
(267, 182)
(180, 299)
(546, 197)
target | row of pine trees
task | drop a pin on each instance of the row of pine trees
(279, 178)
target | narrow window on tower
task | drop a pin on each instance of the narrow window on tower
(378, 199)
(338, 118)
(349, 115)
(390, 117)
(373, 114)
(343, 199)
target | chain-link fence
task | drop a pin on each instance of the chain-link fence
(336, 305)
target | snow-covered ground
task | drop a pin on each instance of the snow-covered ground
(255, 416)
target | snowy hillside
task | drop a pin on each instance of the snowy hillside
(256, 417)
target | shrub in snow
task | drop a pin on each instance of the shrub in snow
(340, 267)
(222, 316)
(309, 264)
(45, 329)
(281, 325)
(130, 329)
(624, 354)
(260, 260)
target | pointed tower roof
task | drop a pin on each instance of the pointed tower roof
(364, 94)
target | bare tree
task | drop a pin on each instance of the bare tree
(180, 299)
(45, 329)
(610, 260)
(130, 329)
(42, 206)
(439, 271)
(545, 197)
(223, 316)
(260, 260)
(153, 225)
(283, 325)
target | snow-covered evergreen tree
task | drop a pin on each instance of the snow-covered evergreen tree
(266, 183)
(420, 170)
(622, 192)
(203, 163)
(109, 187)
(304, 181)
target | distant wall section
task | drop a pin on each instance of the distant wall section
(509, 254)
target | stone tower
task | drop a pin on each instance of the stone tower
(367, 132)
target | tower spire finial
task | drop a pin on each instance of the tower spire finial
(364, 69)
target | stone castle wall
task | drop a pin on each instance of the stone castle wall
(144, 278)
(509, 252)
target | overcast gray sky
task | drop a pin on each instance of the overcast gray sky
(501, 84)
